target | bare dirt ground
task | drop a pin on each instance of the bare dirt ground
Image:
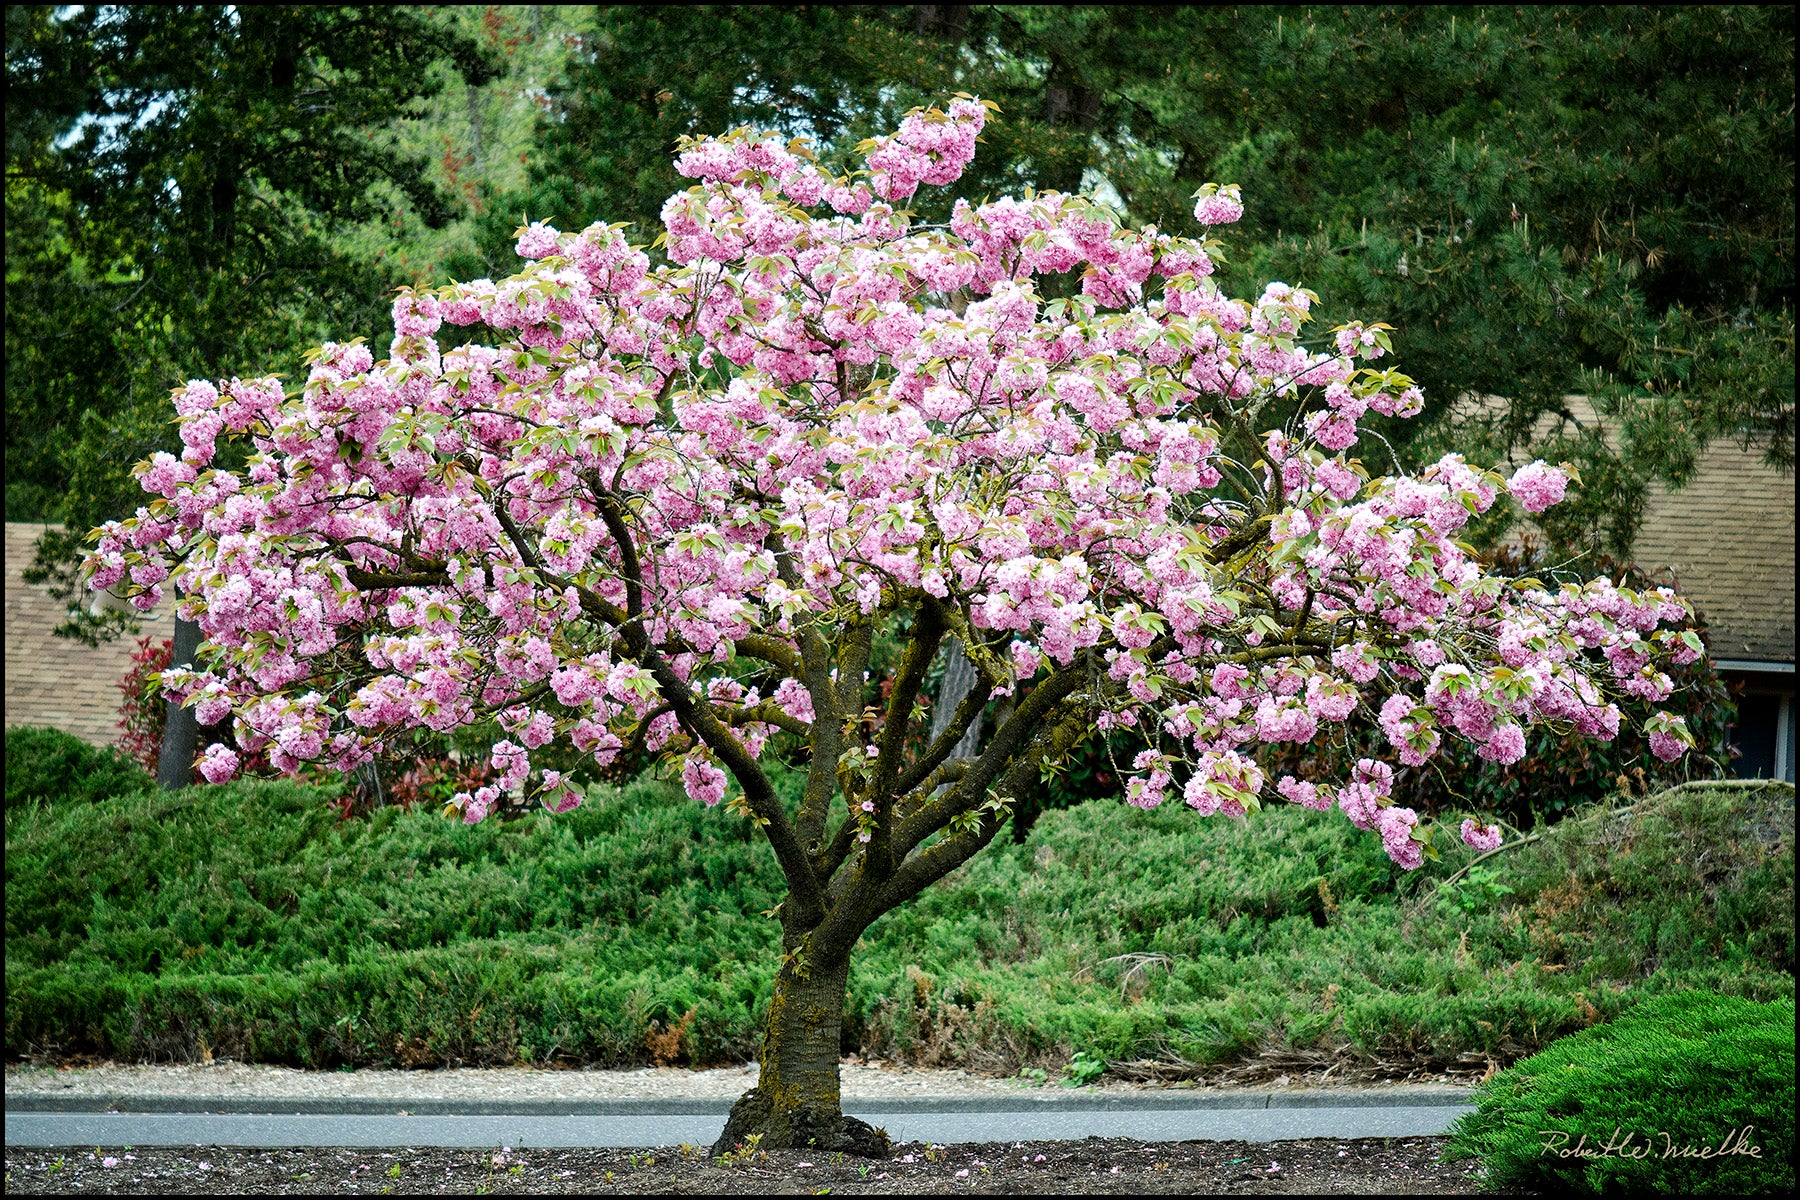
(1097, 1166)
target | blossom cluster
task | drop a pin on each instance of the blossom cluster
(646, 475)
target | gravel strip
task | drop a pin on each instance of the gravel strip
(861, 1081)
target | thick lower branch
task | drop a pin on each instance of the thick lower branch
(864, 894)
(827, 736)
(697, 716)
(950, 772)
(966, 711)
(837, 695)
(932, 864)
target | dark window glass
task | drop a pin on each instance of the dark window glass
(1754, 735)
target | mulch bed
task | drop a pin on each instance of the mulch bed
(1120, 1166)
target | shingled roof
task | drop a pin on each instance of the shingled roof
(56, 681)
(1726, 541)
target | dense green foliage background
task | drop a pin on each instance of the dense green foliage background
(45, 766)
(180, 181)
(1689, 1071)
(250, 920)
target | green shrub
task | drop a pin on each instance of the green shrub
(1612, 1109)
(250, 920)
(52, 766)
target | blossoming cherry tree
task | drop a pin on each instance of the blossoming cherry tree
(676, 506)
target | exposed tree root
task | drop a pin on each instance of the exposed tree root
(826, 1130)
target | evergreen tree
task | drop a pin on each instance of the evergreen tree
(175, 179)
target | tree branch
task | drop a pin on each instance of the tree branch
(759, 794)
(773, 651)
(966, 711)
(1241, 539)
(869, 890)
(768, 713)
(375, 581)
(932, 864)
(1027, 720)
(827, 736)
(921, 648)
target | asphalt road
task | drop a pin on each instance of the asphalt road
(667, 1129)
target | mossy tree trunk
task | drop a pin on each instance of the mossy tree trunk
(796, 1103)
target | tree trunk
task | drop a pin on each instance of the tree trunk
(959, 678)
(181, 731)
(795, 1104)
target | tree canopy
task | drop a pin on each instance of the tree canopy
(1591, 201)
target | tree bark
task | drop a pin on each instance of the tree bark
(796, 1103)
(181, 729)
(959, 678)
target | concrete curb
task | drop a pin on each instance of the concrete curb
(1425, 1097)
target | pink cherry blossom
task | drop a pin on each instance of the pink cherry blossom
(219, 763)
(704, 781)
(1538, 486)
(624, 504)
(1481, 837)
(1219, 207)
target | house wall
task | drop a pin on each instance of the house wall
(1726, 541)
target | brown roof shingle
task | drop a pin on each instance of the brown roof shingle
(56, 681)
(1726, 541)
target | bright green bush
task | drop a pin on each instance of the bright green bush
(44, 764)
(249, 920)
(1611, 1109)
